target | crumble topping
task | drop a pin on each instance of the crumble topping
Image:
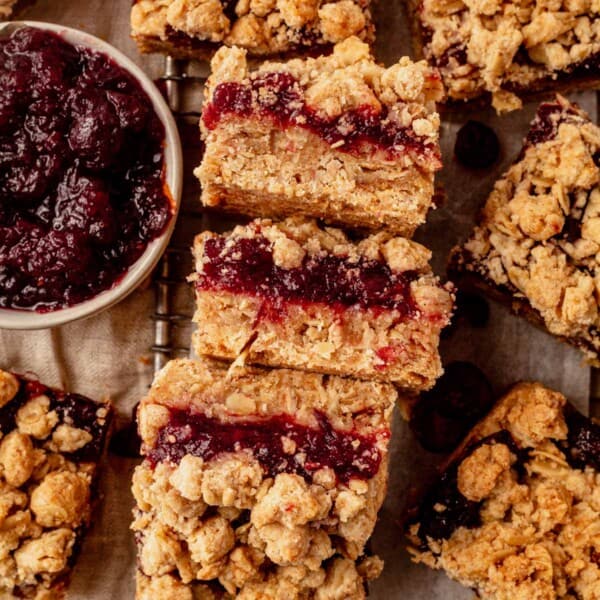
(283, 529)
(263, 27)
(401, 97)
(537, 535)
(44, 495)
(506, 46)
(6, 8)
(539, 236)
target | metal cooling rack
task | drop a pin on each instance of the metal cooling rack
(171, 321)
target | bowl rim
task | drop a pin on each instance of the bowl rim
(173, 160)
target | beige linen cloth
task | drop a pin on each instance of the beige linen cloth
(103, 357)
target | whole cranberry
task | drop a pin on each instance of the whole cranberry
(95, 134)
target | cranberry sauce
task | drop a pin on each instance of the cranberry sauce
(348, 453)
(247, 267)
(72, 409)
(279, 97)
(82, 189)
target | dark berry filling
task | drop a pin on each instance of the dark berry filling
(477, 145)
(458, 511)
(349, 453)
(545, 125)
(72, 409)
(583, 448)
(447, 412)
(82, 188)
(246, 266)
(279, 97)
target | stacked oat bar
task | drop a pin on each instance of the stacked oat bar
(265, 481)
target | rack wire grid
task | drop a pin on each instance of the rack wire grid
(173, 303)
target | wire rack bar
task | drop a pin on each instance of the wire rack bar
(165, 280)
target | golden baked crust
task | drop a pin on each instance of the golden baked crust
(380, 343)
(197, 28)
(536, 498)
(501, 46)
(538, 238)
(255, 167)
(224, 522)
(6, 8)
(50, 443)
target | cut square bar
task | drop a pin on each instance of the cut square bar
(516, 513)
(294, 294)
(50, 446)
(337, 137)
(259, 484)
(197, 28)
(502, 48)
(537, 244)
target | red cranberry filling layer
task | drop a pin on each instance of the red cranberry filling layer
(82, 189)
(348, 453)
(246, 266)
(280, 97)
(72, 409)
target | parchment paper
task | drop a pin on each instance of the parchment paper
(507, 349)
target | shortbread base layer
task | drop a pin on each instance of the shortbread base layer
(364, 344)
(251, 168)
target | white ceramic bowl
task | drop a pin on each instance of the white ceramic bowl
(141, 269)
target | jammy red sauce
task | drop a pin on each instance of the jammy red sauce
(279, 97)
(348, 453)
(82, 188)
(246, 266)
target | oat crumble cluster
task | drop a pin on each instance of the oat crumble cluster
(299, 295)
(337, 137)
(6, 8)
(538, 240)
(239, 523)
(501, 47)
(516, 514)
(196, 28)
(50, 444)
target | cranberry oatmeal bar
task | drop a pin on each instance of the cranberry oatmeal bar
(516, 514)
(258, 484)
(537, 242)
(50, 446)
(293, 294)
(197, 28)
(337, 137)
(505, 48)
